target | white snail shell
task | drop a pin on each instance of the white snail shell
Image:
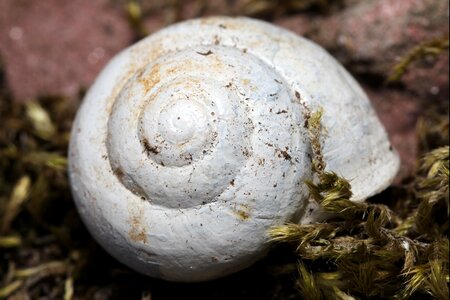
(191, 144)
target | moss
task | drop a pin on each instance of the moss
(133, 11)
(368, 249)
(430, 47)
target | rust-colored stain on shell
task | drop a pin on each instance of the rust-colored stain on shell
(151, 79)
(137, 233)
(243, 215)
(242, 212)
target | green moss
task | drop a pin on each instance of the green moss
(430, 47)
(370, 250)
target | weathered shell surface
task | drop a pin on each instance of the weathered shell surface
(191, 144)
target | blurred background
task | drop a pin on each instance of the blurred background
(51, 52)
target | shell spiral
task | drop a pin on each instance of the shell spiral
(191, 144)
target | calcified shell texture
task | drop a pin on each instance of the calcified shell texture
(191, 144)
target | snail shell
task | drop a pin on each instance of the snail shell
(191, 144)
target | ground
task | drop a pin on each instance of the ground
(52, 51)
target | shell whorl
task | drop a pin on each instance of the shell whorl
(189, 125)
(191, 144)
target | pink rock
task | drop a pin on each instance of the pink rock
(300, 24)
(372, 35)
(58, 47)
(399, 112)
(428, 78)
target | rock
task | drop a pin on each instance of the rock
(399, 112)
(370, 37)
(58, 47)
